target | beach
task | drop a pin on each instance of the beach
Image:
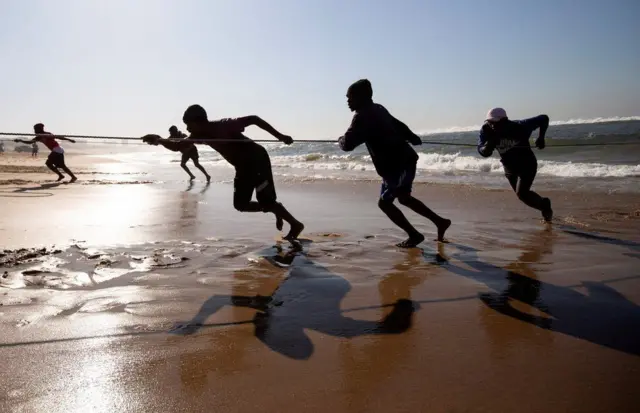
(134, 290)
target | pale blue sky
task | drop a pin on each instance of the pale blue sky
(129, 67)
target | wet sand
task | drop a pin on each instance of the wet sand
(163, 298)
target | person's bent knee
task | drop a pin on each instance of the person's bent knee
(50, 163)
(384, 203)
(522, 195)
(241, 206)
(404, 199)
(268, 206)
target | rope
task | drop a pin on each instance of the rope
(424, 142)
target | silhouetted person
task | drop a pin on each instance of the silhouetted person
(175, 143)
(56, 157)
(387, 140)
(511, 139)
(251, 162)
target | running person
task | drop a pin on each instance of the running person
(511, 139)
(250, 160)
(176, 143)
(56, 157)
(387, 140)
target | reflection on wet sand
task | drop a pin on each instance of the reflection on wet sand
(252, 289)
(308, 298)
(523, 290)
(384, 357)
(189, 202)
(603, 316)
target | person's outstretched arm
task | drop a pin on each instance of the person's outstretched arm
(540, 122)
(64, 138)
(406, 133)
(156, 140)
(355, 135)
(246, 121)
(29, 142)
(486, 141)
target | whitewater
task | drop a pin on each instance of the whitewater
(606, 167)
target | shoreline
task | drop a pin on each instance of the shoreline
(162, 297)
(142, 210)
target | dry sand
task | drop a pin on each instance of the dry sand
(153, 298)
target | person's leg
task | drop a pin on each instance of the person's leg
(196, 162)
(51, 165)
(521, 179)
(385, 203)
(531, 198)
(243, 185)
(61, 164)
(403, 193)
(183, 164)
(267, 198)
(525, 194)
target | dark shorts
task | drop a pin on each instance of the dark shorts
(398, 184)
(191, 153)
(523, 168)
(258, 177)
(57, 159)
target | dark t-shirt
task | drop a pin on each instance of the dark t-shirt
(514, 135)
(226, 137)
(386, 138)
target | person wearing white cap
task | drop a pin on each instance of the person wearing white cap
(511, 139)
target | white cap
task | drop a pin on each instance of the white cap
(496, 114)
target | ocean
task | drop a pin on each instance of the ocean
(609, 168)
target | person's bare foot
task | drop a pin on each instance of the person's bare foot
(279, 223)
(412, 241)
(60, 178)
(443, 226)
(294, 232)
(208, 179)
(73, 180)
(192, 178)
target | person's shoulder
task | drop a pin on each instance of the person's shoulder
(374, 111)
(379, 110)
(228, 125)
(224, 122)
(533, 119)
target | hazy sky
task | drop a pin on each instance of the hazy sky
(129, 67)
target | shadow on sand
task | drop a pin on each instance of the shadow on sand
(39, 187)
(603, 316)
(308, 298)
(601, 238)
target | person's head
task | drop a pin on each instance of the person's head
(359, 94)
(195, 117)
(38, 128)
(173, 130)
(496, 118)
